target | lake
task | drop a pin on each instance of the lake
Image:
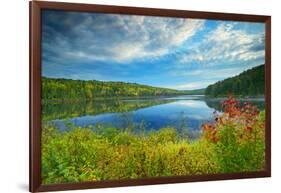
(185, 113)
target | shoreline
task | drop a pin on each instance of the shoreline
(242, 98)
(168, 97)
(115, 98)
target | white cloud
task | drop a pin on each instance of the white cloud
(226, 44)
(115, 37)
(246, 56)
(128, 51)
(192, 103)
(151, 36)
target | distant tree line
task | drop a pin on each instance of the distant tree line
(65, 89)
(248, 83)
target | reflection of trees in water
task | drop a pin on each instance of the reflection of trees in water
(64, 110)
(216, 103)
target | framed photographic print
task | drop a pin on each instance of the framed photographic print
(123, 96)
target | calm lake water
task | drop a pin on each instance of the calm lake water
(185, 113)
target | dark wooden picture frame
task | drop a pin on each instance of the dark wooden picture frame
(35, 93)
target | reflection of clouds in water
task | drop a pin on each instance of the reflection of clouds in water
(188, 116)
(192, 104)
(197, 117)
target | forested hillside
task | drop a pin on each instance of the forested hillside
(65, 89)
(195, 92)
(248, 83)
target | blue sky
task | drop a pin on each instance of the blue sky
(167, 52)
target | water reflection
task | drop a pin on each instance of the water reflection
(65, 110)
(216, 103)
(185, 113)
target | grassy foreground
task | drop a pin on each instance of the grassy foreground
(234, 142)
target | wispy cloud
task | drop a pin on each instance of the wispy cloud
(114, 37)
(227, 43)
(210, 73)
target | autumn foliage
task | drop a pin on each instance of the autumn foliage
(238, 133)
